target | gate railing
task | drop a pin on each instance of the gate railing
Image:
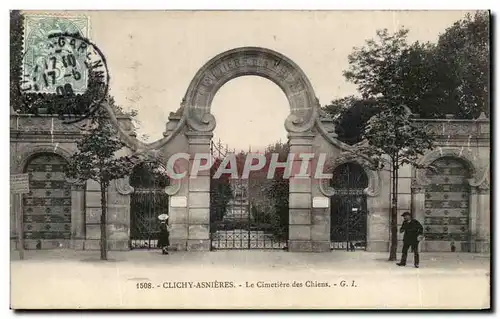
(147, 204)
(349, 231)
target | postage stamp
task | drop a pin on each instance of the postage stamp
(41, 62)
(62, 70)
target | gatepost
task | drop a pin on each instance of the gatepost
(19, 185)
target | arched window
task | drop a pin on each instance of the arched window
(47, 207)
(447, 205)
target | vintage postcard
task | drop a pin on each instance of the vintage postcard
(250, 160)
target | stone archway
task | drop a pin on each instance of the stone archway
(200, 124)
(447, 203)
(478, 202)
(250, 61)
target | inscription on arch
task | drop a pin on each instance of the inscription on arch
(251, 61)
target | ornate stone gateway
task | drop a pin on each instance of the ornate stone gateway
(147, 202)
(348, 208)
(300, 122)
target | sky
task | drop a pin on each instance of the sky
(153, 55)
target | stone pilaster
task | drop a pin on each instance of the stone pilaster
(305, 232)
(198, 205)
(482, 218)
(117, 217)
(178, 214)
(418, 207)
(15, 220)
(77, 216)
(92, 215)
(377, 235)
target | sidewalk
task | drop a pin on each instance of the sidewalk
(358, 260)
(338, 280)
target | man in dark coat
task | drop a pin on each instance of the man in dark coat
(413, 231)
(164, 240)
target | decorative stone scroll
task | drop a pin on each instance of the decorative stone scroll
(373, 188)
(250, 61)
(123, 187)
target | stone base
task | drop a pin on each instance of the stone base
(30, 244)
(377, 246)
(78, 244)
(482, 247)
(301, 246)
(178, 244)
(321, 246)
(13, 244)
(95, 244)
(444, 246)
(198, 244)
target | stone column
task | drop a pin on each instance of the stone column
(301, 232)
(198, 227)
(77, 216)
(483, 220)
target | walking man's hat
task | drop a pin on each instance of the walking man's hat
(405, 213)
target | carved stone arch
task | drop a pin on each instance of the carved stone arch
(26, 154)
(33, 150)
(477, 174)
(250, 61)
(373, 188)
(123, 184)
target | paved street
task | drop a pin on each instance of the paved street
(147, 279)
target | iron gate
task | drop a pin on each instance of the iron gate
(147, 202)
(348, 208)
(242, 215)
(243, 224)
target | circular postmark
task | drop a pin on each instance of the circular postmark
(69, 77)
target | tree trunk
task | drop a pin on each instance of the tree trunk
(104, 242)
(394, 212)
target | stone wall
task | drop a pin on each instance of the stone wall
(309, 229)
(31, 136)
(464, 140)
(467, 143)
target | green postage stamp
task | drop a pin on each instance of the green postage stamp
(41, 70)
